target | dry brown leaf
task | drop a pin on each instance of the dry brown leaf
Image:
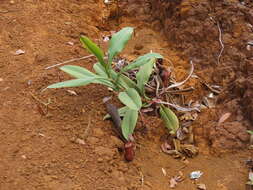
(224, 117)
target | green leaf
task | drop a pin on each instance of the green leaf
(118, 42)
(169, 118)
(100, 70)
(126, 82)
(129, 122)
(131, 99)
(93, 48)
(72, 83)
(77, 72)
(141, 61)
(83, 82)
(104, 81)
(123, 81)
(250, 132)
(121, 112)
(143, 75)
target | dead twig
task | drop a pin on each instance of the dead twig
(4, 11)
(177, 84)
(40, 101)
(179, 108)
(86, 132)
(221, 43)
(181, 91)
(69, 61)
(157, 86)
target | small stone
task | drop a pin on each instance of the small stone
(201, 186)
(1, 80)
(19, 52)
(70, 43)
(80, 141)
(54, 177)
(138, 47)
(77, 141)
(12, 2)
(24, 157)
(100, 160)
(248, 47)
(196, 174)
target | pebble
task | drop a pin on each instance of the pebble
(77, 141)
(138, 47)
(19, 52)
(100, 160)
(24, 157)
(1, 80)
(201, 186)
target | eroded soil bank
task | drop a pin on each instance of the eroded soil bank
(68, 145)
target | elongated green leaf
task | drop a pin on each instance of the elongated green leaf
(129, 122)
(93, 48)
(104, 81)
(83, 82)
(131, 99)
(169, 118)
(141, 61)
(77, 72)
(143, 75)
(100, 70)
(127, 82)
(73, 83)
(121, 112)
(118, 42)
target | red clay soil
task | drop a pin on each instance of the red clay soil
(192, 27)
(66, 144)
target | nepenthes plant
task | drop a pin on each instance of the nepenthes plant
(131, 90)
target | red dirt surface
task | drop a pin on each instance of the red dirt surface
(67, 145)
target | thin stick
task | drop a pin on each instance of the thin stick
(86, 132)
(157, 87)
(37, 99)
(177, 84)
(180, 91)
(69, 61)
(179, 108)
(221, 43)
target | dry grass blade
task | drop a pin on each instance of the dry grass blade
(69, 61)
(223, 118)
